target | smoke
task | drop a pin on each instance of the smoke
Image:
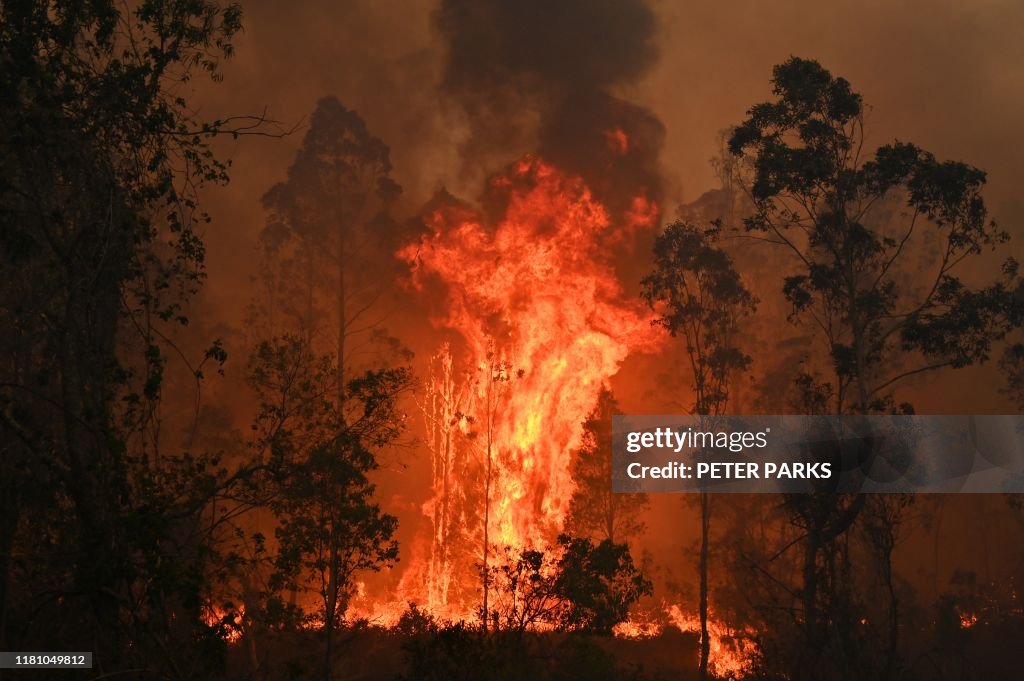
(541, 76)
(466, 87)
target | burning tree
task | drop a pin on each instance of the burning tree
(460, 423)
(445, 421)
(534, 291)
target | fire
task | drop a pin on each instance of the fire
(227, 622)
(968, 620)
(545, 324)
(638, 628)
(732, 652)
(642, 212)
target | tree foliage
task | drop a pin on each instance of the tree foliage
(99, 167)
(878, 241)
(319, 457)
(594, 510)
(701, 298)
(574, 586)
(877, 238)
(328, 241)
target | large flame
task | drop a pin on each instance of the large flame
(544, 322)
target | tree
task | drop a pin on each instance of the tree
(881, 523)
(499, 373)
(444, 403)
(877, 240)
(100, 166)
(702, 299)
(878, 290)
(574, 586)
(328, 526)
(594, 510)
(598, 583)
(327, 230)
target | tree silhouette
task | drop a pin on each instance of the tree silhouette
(576, 585)
(101, 163)
(877, 240)
(702, 299)
(876, 278)
(328, 526)
(594, 510)
(326, 231)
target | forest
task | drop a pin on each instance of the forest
(324, 389)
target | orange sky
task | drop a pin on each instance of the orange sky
(948, 76)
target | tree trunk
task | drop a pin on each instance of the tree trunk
(331, 606)
(487, 495)
(705, 527)
(250, 599)
(342, 322)
(809, 590)
(894, 619)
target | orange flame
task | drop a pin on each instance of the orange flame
(732, 652)
(968, 620)
(642, 213)
(536, 301)
(228, 623)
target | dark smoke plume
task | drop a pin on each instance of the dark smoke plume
(540, 76)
